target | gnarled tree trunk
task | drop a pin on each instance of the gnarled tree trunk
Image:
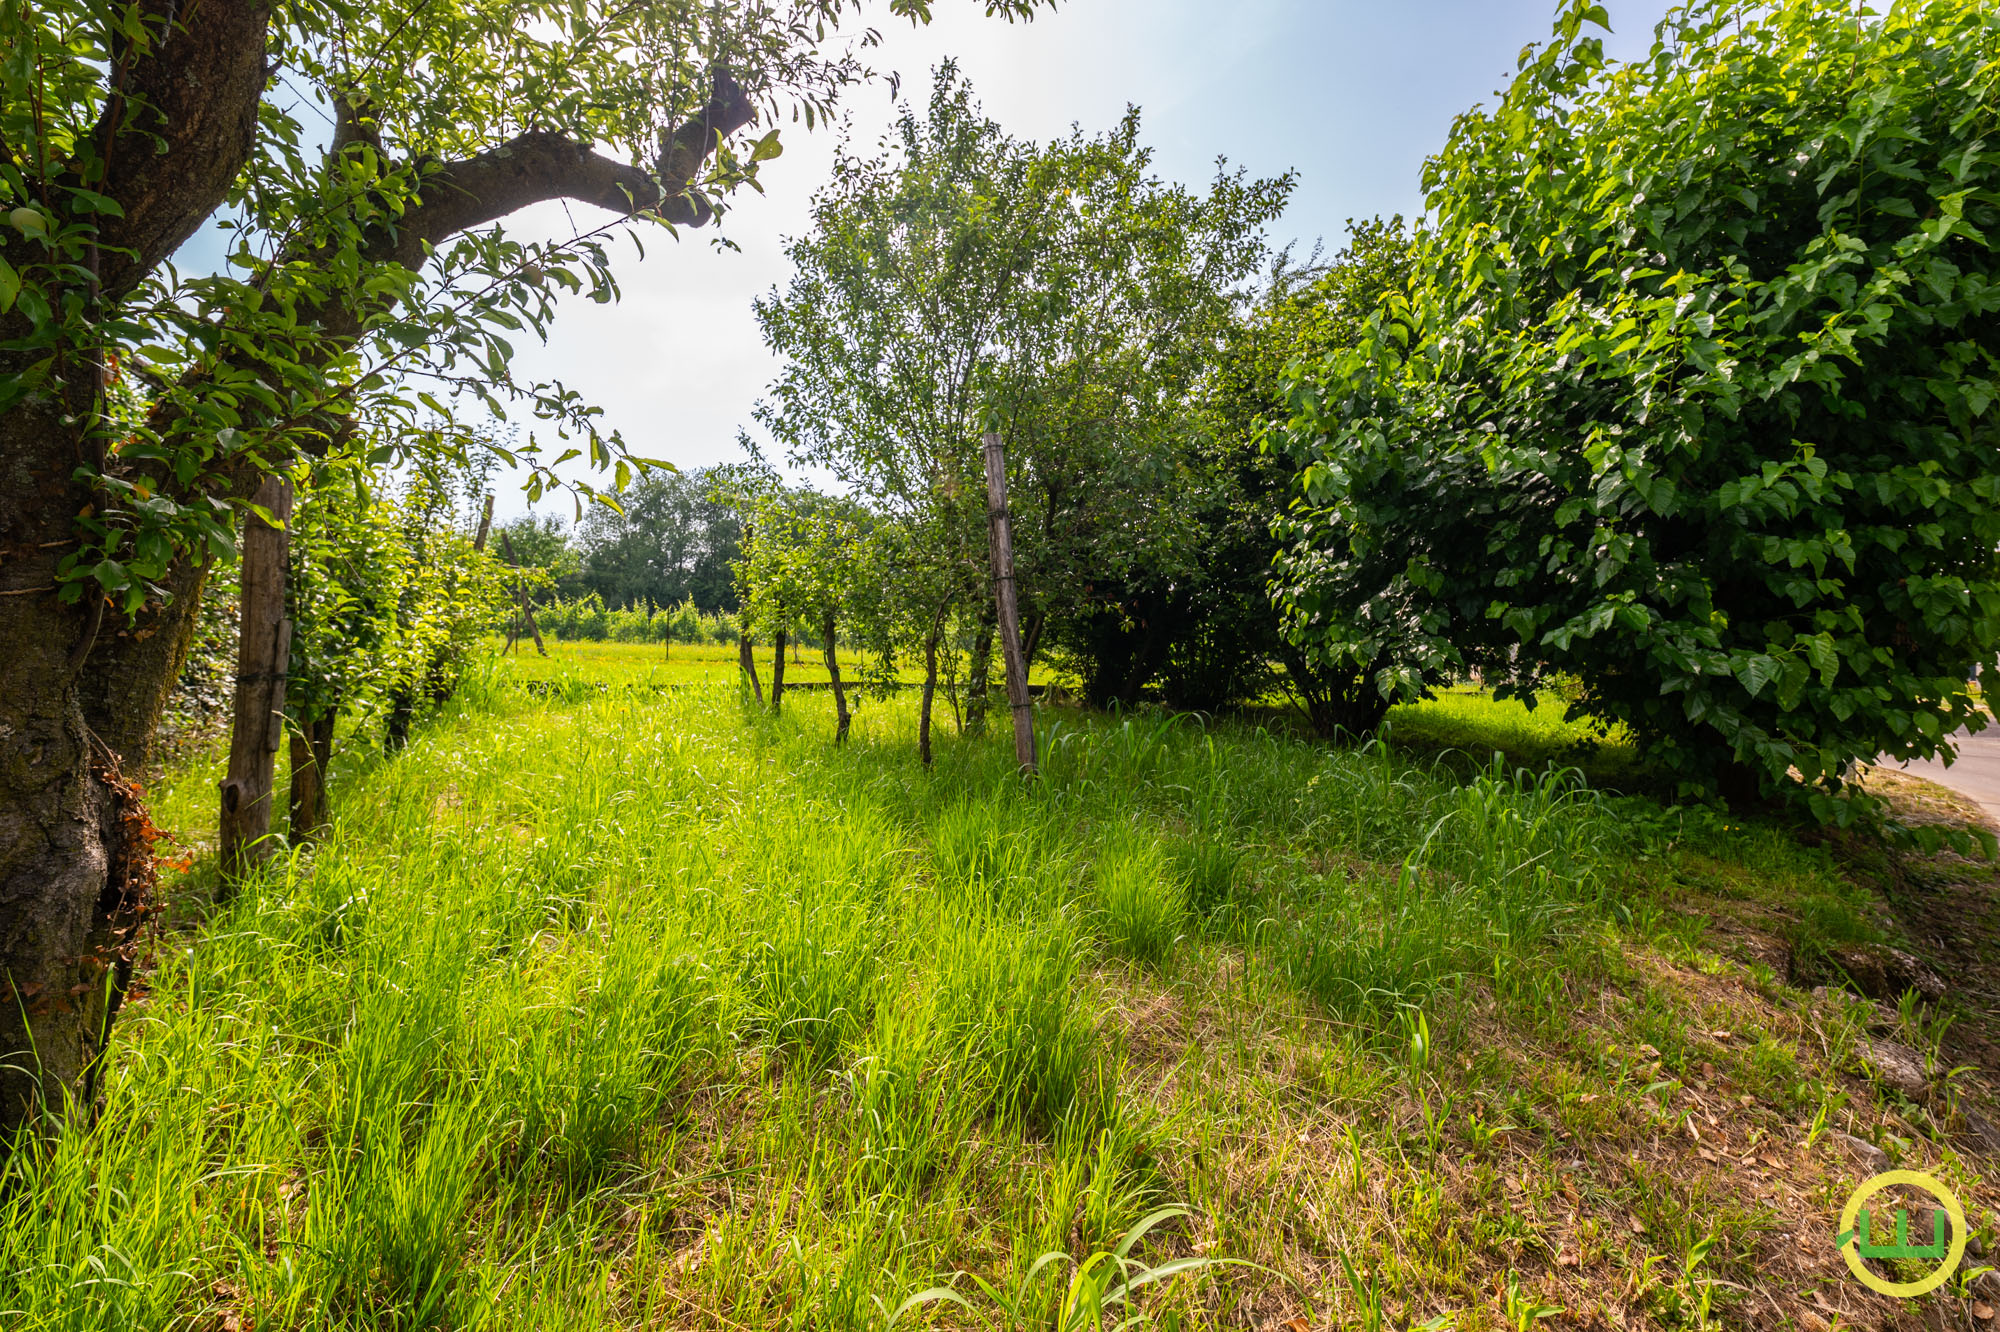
(81, 686)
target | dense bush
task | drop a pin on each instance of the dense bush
(1690, 397)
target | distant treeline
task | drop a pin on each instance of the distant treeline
(673, 543)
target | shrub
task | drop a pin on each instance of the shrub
(1690, 396)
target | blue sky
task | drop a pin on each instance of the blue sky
(1352, 94)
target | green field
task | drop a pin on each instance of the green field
(633, 1009)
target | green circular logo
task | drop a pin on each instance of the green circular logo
(1861, 1235)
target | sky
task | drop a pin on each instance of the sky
(1353, 95)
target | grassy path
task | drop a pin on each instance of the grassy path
(635, 1010)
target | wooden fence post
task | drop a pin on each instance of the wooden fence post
(263, 655)
(1001, 542)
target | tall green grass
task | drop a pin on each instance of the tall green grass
(632, 1008)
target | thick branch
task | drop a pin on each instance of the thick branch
(179, 127)
(539, 166)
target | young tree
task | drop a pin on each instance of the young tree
(1692, 397)
(389, 597)
(801, 566)
(1059, 294)
(360, 275)
(347, 574)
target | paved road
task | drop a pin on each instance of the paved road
(1976, 771)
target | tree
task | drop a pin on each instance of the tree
(807, 563)
(1224, 626)
(668, 540)
(360, 276)
(542, 541)
(1691, 397)
(388, 599)
(1059, 294)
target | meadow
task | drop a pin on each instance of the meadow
(636, 1007)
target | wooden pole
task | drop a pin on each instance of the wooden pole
(263, 655)
(746, 661)
(521, 595)
(1001, 543)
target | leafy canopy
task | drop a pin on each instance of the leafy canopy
(370, 274)
(1691, 396)
(963, 281)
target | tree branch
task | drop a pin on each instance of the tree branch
(539, 165)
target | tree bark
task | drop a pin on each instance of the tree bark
(312, 752)
(1002, 548)
(262, 658)
(71, 864)
(778, 675)
(746, 661)
(841, 717)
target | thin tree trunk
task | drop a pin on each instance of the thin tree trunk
(312, 752)
(979, 678)
(1002, 547)
(746, 661)
(261, 659)
(778, 675)
(930, 692)
(841, 717)
(485, 527)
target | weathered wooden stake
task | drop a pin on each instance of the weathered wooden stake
(930, 690)
(521, 596)
(1001, 541)
(263, 654)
